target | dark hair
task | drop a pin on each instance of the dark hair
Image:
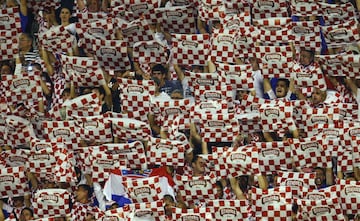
(159, 67)
(28, 209)
(287, 82)
(195, 158)
(87, 188)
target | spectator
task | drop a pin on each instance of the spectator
(27, 214)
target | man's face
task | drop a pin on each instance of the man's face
(93, 5)
(24, 43)
(281, 89)
(81, 194)
(5, 70)
(199, 166)
(305, 58)
(319, 176)
(317, 96)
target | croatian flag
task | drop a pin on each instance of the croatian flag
(114, 189)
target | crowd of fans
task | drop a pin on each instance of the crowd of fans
(179, 110)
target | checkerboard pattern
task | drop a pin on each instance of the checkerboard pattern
(306, 34)
(190, 49)
(83, 71)
(274, 156)
(356, 155)
(326, 209)
(111, 54)
(228, 209)
(95, 128)
(13, 182)
(136, 102)
(349, 196)
(82, 101)
(57, 40)
(238, 76)
(210, 10)
(137, 30)
(345, 161)
(149, 52)
(332, 135)
(274, 60)
(92, 110)
(196, 189)
(137, 115)
(9, 42)
(296, 180)
(169, 110)
(335, 14)
(223, 46)
(309, 77)
(207, 92)
(117, 213)
(91, 17)
(180, 19)
(121, 15)
(51, 202)
(133, 152)
(18, 131)
(351, 134)
(201, 213)
(235, 21)
(130, 86)
(324, 193)
(333, 65)
(212, 107)
(65, 166)
(22, 88)
(309, 152)
(305, 8)
(276, 116)
(66, 130)
(273, 23)
(143, 8)
(101, 165)
(351, 62)
(272, 204)
(202, 79)
(127, 129)
(320, 116)
(79, 211)
(143, 190)
(249, 123)
(166, 152)
(13, 158)
(10, 19)
(278, 36)
(251, 103)
(98, 27)
(150, 210)
(241, 160)
(246, 41)
(346, 32)
(266, 9)
(219, 128)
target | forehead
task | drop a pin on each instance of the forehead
(65, 10)
(281, 83)
(305, 54)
